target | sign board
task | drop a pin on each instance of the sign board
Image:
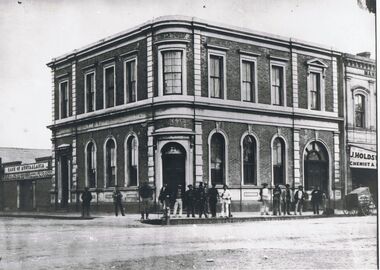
(28, 175)
(362, 158)
(27, 168)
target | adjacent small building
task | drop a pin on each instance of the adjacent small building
(25, 179)
(361, 121)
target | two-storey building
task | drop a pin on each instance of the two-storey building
(360, 127)
(178, 100)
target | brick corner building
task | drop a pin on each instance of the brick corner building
(178, 100)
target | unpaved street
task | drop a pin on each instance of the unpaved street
(117, 243)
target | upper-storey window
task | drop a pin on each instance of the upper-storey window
(316, 70)
(109, 86)
(359, 110)
(63, 99)
(172, 78)
(90, 91)
(278, 85)
(248, 79)
(130, 80)
(315, 90)
(216, 76)
(172, 72)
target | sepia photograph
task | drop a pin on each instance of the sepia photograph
(188, 134)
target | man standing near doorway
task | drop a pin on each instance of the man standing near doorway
(86, 202)
(213, 197)
(202, 200)
(117, 198)
(316, 198)
(286, 198)
(264, 198)
(146, 194)
(299, 198)
(276, 200)
(190, 198)
(178, 201)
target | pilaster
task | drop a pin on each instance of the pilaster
(149, 65)
(295, 79)
(335, 84)
(198, 153)
(296, 157)
(73, 88)
(197, 63)
(150, 154)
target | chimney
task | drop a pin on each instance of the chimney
(364, 54)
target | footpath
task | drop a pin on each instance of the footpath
(158, 219)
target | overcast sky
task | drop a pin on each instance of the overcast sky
(33, 32)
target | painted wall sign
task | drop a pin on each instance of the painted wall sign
(362, 158)
(27, 168)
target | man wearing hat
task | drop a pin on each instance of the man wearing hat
(190, 199)
(276, 200)
(299, 198)
(213, 197)
(264, 198)
(286, 198)
(178, 201)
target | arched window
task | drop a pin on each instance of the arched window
(316, 166)
(278, 161)
(249, 161)
(132, 161)
(110, 163)
(217, 165)
(359, 110)
(91, 165)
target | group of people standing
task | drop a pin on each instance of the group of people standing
(201, 199)
(283, 199)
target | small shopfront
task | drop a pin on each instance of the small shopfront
(27, 185)
(363, 166)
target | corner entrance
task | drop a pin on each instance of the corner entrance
(316, 167)
(173, 166)
(26, 195)
(64, 181)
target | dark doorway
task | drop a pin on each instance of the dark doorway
(365, 178)
(26, 195)
(316, 167)
(64, 181)
(173, 166)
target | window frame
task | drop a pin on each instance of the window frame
(252, 60)
(126, 92)
(105, 161)
(221, 54)
(363, 112)
(284, 157)
(316, 66)
(87, 182)
(126, 160)
(257, 149)
(282, 65)
(171, 47)
(85, 91)
(60, 98)
(223, 134)
(105, 67)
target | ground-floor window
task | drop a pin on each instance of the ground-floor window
(217, 159)
(249, 160)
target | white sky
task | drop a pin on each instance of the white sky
(33, 32)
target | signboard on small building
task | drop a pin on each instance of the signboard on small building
(362, 158)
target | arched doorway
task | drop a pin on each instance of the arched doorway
(173, 166)
(316, 166)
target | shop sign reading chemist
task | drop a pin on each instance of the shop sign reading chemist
(362, 158)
